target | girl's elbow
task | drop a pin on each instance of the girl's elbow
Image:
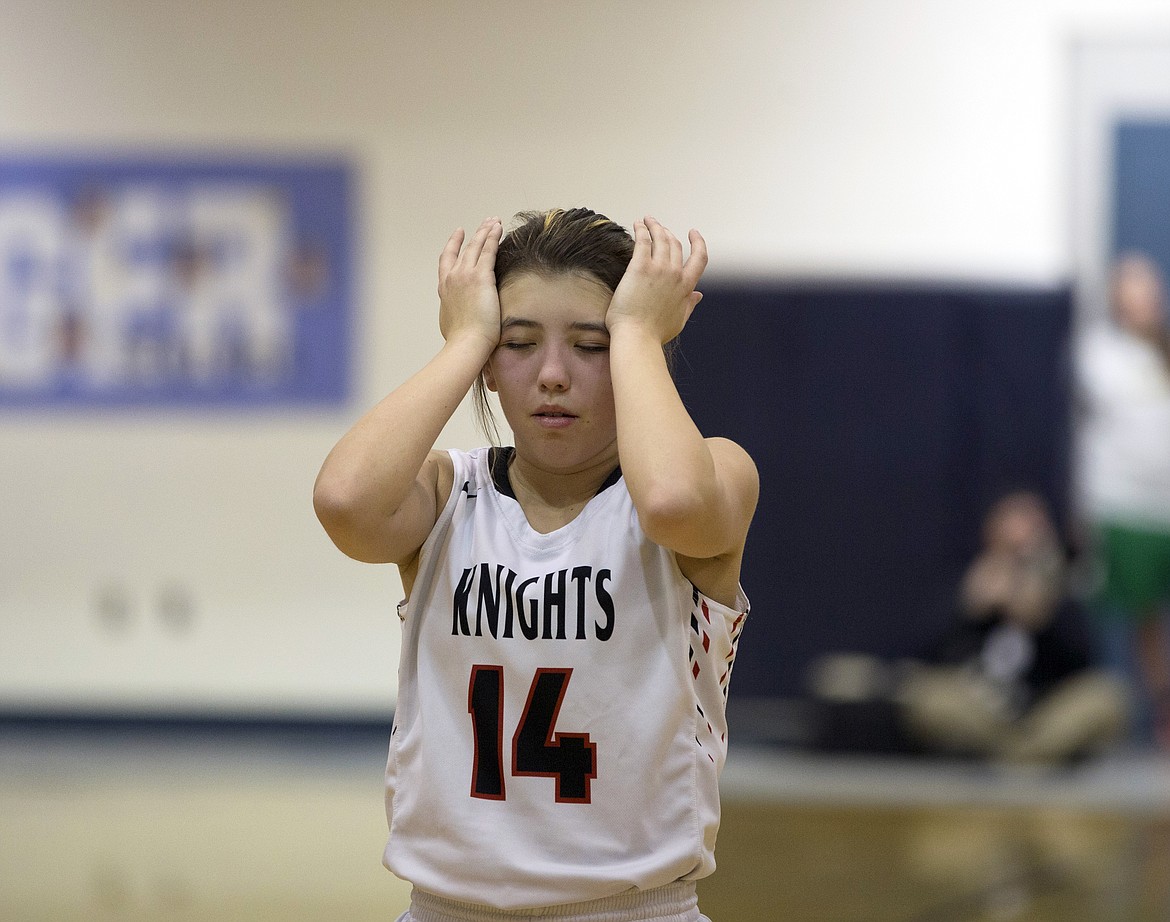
(330, 501)
(358, 525)
(667, 513)
(345, 528)
(338, 509)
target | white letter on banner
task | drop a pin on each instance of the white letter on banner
(237, 321)
(123, 271)
(30, 310)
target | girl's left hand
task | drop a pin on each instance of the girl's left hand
(657, 291)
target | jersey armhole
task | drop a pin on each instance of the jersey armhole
(408, 571)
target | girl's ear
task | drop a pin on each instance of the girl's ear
(489, 379)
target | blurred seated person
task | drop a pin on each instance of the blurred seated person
(1013, 679)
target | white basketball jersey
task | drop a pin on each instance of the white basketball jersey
(560, 726)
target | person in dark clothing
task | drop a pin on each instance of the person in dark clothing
(1014, 679)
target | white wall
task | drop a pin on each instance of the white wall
(920, 138)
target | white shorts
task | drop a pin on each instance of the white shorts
(675, 902)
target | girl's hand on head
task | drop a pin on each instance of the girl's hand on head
(657, 291)
(468, 301)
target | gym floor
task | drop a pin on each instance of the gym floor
(112, 823)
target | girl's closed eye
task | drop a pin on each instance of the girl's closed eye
(593, 347)
(516, 344)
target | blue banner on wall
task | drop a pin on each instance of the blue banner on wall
(1141, 199)
(202, 282)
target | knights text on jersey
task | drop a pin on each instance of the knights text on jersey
(560, 725)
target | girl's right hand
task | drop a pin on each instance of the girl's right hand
(468, 300)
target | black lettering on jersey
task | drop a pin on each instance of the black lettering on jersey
(543, 606)
(581, 578)
(605, 600)
(459, 605)
(489, 599)
(527, 627)
(539, 750)
(485, 704)
(554, 600)
(508, 609)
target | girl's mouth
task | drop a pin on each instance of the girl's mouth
(553, 418)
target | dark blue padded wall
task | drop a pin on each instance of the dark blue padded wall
(884, 419)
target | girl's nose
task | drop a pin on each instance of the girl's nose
(554, 371)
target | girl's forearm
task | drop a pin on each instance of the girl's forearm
(665, 460)
(374, 465)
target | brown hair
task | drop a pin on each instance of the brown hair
(576, 241)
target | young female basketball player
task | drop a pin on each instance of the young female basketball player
(573, 603)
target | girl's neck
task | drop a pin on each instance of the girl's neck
(552, 499)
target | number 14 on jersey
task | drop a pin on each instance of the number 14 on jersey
(537, 749)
